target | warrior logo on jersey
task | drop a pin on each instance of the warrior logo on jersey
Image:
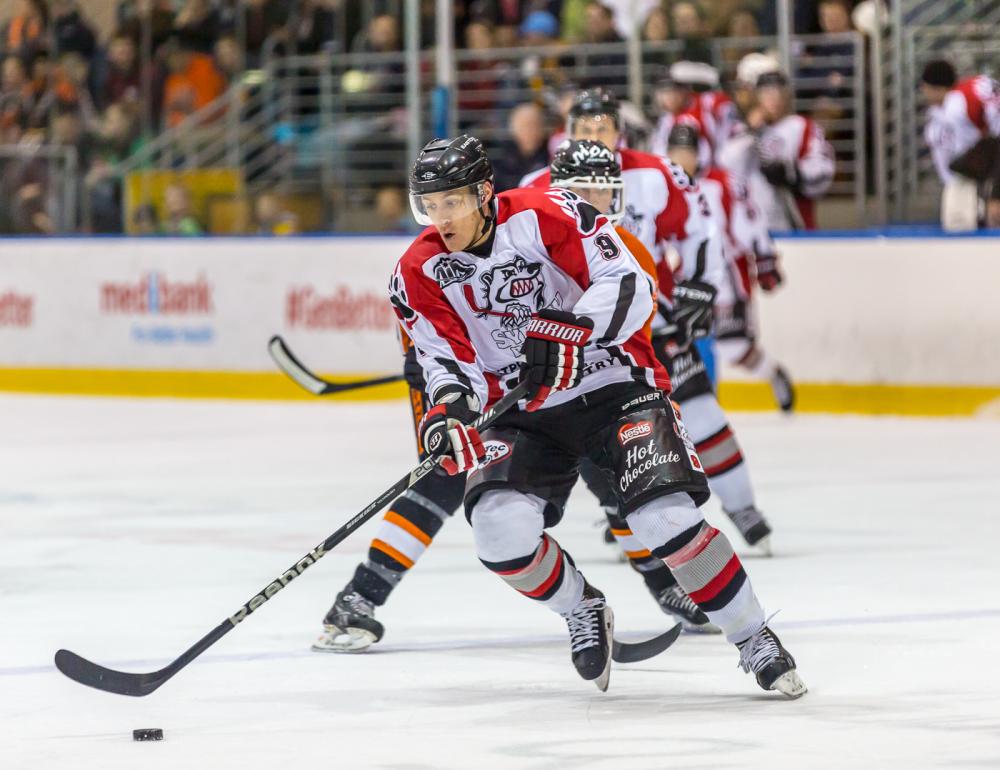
(513, 291)
(585, 215)
(448, 271)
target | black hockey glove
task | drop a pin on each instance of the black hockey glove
(553, 353)
(413, 372)
(445, 431)
(780, 174)
(691, 315)
(769, 277)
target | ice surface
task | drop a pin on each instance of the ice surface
(132, 527)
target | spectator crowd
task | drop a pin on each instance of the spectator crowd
(67, 85)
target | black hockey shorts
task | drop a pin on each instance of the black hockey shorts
(630, 431)
(734, 322)
(688, 377)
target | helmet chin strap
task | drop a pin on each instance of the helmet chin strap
(488, 219)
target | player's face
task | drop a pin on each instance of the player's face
(599, 198)
(456, 214)
(671, 100)
(933, 95)
(686, 158)
(773, 102)
(597, 128)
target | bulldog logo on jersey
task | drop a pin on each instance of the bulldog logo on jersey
(512, 291)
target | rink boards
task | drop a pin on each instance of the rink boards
(901, 325)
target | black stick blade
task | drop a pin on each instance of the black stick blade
(119, 682)
(633, 652)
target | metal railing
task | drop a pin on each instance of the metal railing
(337, 125)
(39, 189)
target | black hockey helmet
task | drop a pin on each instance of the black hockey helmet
(450, 164)
(683, 135)
(592, 103)
(587, 165)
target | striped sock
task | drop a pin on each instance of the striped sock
(706, 567)
(547, 576)
(654, 572)
(404, 534)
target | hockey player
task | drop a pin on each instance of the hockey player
(794, 156)
(690, 93)
(536, 285)
(961, 112)
(590, 170)
(663, 208)
(750, 256)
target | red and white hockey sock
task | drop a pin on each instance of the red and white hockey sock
(719, 452)
(703, 562)
(507, 527)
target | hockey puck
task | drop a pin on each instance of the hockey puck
(148, 734)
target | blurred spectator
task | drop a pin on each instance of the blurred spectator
(604, 68)
(193, 82)
(145, 220)
(120, 78)
(741, 24)
(199, 25)
(272, 218)
(687, 18)
(114, 140)
(66, 91)
(827, 68)
(479, 76)
(180, 219)
(572, 20)
(70, 32)
(229, 58)
(133, 15)
(563, 101)
(24, 35)
(393, 211)
(260, 19)
(16, 100)
(378, 77)
(526, 150)
(656, 27)
(539, 28)
(315, 28)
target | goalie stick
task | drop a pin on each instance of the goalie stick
(81, 670)
(290, 365)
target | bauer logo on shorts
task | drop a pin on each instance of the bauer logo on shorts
(632, 431)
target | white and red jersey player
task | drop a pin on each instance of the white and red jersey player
(744, 229)
(467, 312)
(970, 112)
(665, 210)
(712, 114)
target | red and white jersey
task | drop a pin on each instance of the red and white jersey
(664, 209)
(467, 312)
(970, 111)
(713, 115)
(744, 229)
(796, 141)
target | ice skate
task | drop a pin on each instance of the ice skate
(774, 667)
(676, 603)
(784, 391)
(753, 526)
(591, 630)
(350, 625)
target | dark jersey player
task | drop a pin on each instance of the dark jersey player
(536, 285)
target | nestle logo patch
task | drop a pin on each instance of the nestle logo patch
(632, 431)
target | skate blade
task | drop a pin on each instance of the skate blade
(790, 685)
(763, 546)
(604, 679)
(353, 640)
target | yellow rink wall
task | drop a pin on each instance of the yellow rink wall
(864, 325)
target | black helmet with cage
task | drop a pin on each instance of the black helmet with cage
(452, 164)
(683, 135)
(584, 166)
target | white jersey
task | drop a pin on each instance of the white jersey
(664, 209)
(712, 114)
(466, 312)
(970, 111)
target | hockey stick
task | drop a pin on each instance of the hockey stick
(294, 368)
(123, 683)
